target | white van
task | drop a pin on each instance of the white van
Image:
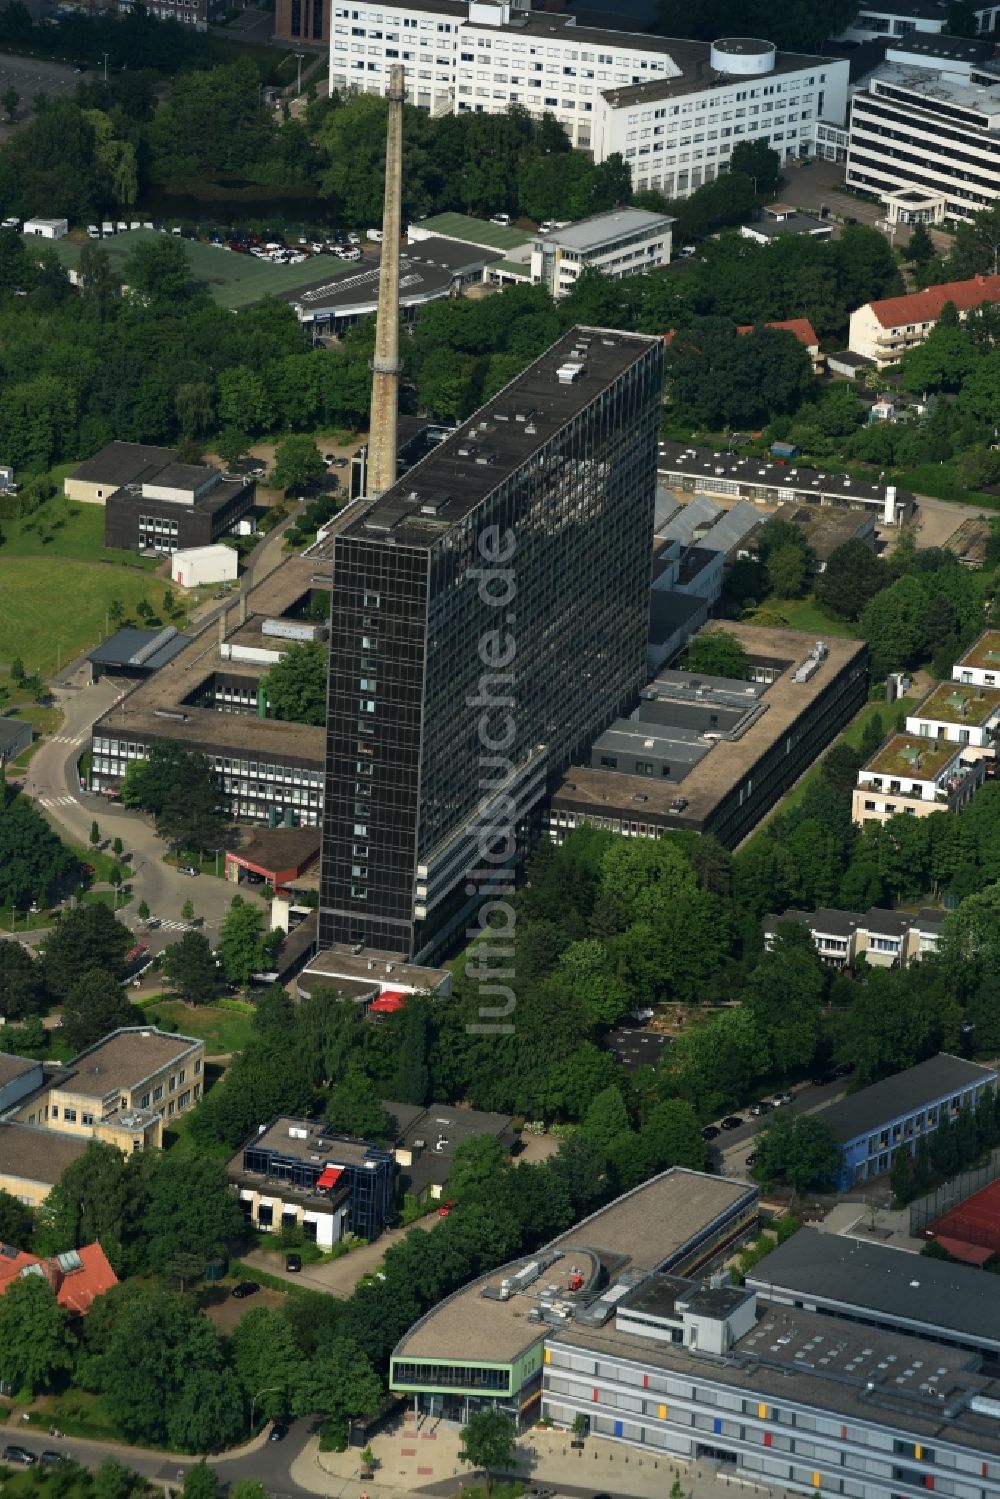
(107, 229)
(375, 235)
(93, 232)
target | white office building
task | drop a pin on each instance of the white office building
(898, 18)
(927, 129)
(622, 243)
(673, 109)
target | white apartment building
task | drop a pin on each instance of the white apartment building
(915, 776)
(930, 128)
(980, 664)
(959, 713)
(673, 109)
(884, 330)
(625, 242)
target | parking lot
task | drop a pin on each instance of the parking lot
(31, 76)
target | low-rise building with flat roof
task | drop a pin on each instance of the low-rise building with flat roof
(300, 1173)
(886, 939)
(980, 664)
(483, 1346)
(959, 713)
(736, 746)
(135, 653)
(879, 1286)
(117, 464)
(425, 1141)
(183, 506)
(747, 476)
(19, 1076)
(871, 1126)
(624, 242)
(826, 528)
(779, 219)
(124, 1090)
(428, 271)
(363, 973)
(916, 775)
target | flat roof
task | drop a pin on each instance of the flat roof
(473, 231)
(984, 652)
(124, 1059)
(912, 755)
(37, 1155)
(13, 1067)
(902, 1093)
(499, 438)
(697, 73)
(158, 708)
(374, 966)
(937, 88)
(905, 1383)
(635, 1047)
(120, 647)
(784, 702)
(883, 1282)
(12, 730)
(752, 469)
(427, 270)
(604, 228)
(312, 1139)
(645, 1229)
(826, 527)
(959, 703)
(275, 849)
(124, 463)
(794, 223)
(213, 499)
(941, 44)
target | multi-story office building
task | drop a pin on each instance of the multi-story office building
(673, 109)
(490, 616)
(925, 135)
(903, 18)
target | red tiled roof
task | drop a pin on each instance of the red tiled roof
(76, 1287)
(800, 326)
(926, 306)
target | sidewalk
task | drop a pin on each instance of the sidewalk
(425, 1460)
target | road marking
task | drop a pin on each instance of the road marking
(57, 801)
(68, 738)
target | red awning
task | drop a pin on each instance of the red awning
(388, 1002)
(329, 1177)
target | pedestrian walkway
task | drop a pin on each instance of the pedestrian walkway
(57, 801)
(68, 738)
(422, 1458)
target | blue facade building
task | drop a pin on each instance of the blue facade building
(895, 1114)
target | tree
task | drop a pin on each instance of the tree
(266, 1359)
(200, 1482)
(786, 571)
(296, 684)
(95, 834)
(190, 967)
(756, 160)
(852, 577)
(114, 1481)
(355, 1108)
(476, 1168)
(159, 271)
(297, 461)
(15, 1221)
(920, 248)
(84, 938)
(489, 1441)
(717, 653)
(840, 768)
(142, 911)
(35, 1343)
(11, 99)
(116, 611)
(187, 911)
(100, 1196)
(799, 1147)
(413, 1077)
(190, 1211)
(94, 1007)
(22, 990)
(243, 947)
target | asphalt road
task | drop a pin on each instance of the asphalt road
(733, 1146)
(262, 1462)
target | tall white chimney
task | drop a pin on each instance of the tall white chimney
(889, 510)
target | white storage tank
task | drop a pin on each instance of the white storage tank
(743, 56)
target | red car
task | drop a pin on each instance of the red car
(445, 1209)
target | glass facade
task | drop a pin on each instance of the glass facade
(482, 638)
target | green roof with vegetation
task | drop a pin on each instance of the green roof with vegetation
(477, 231)
(954, 702)
(909, 755)
(983, 652)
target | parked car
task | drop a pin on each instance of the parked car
(375, 235)
(445, 1208)
(822, 1079)
(187, 869)
(293, 1263)
(340, 462)
(278, 1432)
(501, 218)
(732, 1121)
(19, 1455)
(780, 1100)
(751, 1159)
(762, 1106)
(710, 1132)
(245, 1288)
(50, 1458)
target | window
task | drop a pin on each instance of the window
(69, 1115)
(86, 1118)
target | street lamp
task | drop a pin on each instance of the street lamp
(105, 67)
(268, 1390)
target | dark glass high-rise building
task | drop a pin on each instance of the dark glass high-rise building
(489, 618)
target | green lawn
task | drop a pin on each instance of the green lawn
(52, 611)
(221, 1030)
(802, 614)
(231, 279)
(852, 736)
(940, 481)
(63, 528)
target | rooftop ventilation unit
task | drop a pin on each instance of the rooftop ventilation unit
(159, 640)
(569, 372)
